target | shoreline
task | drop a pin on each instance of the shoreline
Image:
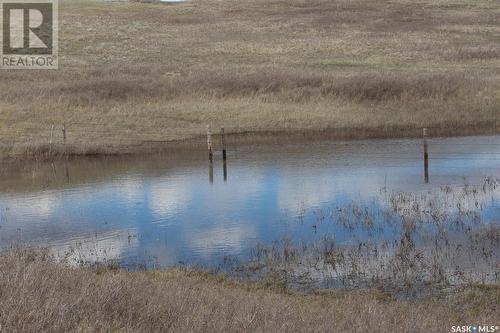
(242, 138)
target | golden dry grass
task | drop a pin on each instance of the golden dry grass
(38, 295)
(132, 73)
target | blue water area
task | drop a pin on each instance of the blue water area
(166, 210)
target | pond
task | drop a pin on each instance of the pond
(167, 209)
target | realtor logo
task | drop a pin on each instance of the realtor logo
(28, 34)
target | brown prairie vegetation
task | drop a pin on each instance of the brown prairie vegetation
(132, 73)
(38, 295)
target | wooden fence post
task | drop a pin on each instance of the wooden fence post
(210, 156)
(426, 156)
(224, 157)
(209, 143)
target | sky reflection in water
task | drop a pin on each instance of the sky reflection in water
(163, 209)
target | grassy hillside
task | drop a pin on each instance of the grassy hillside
(38, 295)
(132, 73)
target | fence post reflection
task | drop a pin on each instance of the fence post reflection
(210, 171)
(66, 173)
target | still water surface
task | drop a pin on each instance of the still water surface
(162, 210)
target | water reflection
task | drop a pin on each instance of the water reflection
(210, 170)
(174, 215)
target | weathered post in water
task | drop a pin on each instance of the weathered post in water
(210, 156)
(224, 157)
(426, 157)
(209, 143)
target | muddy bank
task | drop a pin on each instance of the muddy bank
(235, 139)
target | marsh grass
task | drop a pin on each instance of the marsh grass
(439, 241)
(38, 294)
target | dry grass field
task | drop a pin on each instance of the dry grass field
(38, 295)
(135, 73)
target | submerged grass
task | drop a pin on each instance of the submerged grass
(37, 294)
(407, 244)
(253, 66)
